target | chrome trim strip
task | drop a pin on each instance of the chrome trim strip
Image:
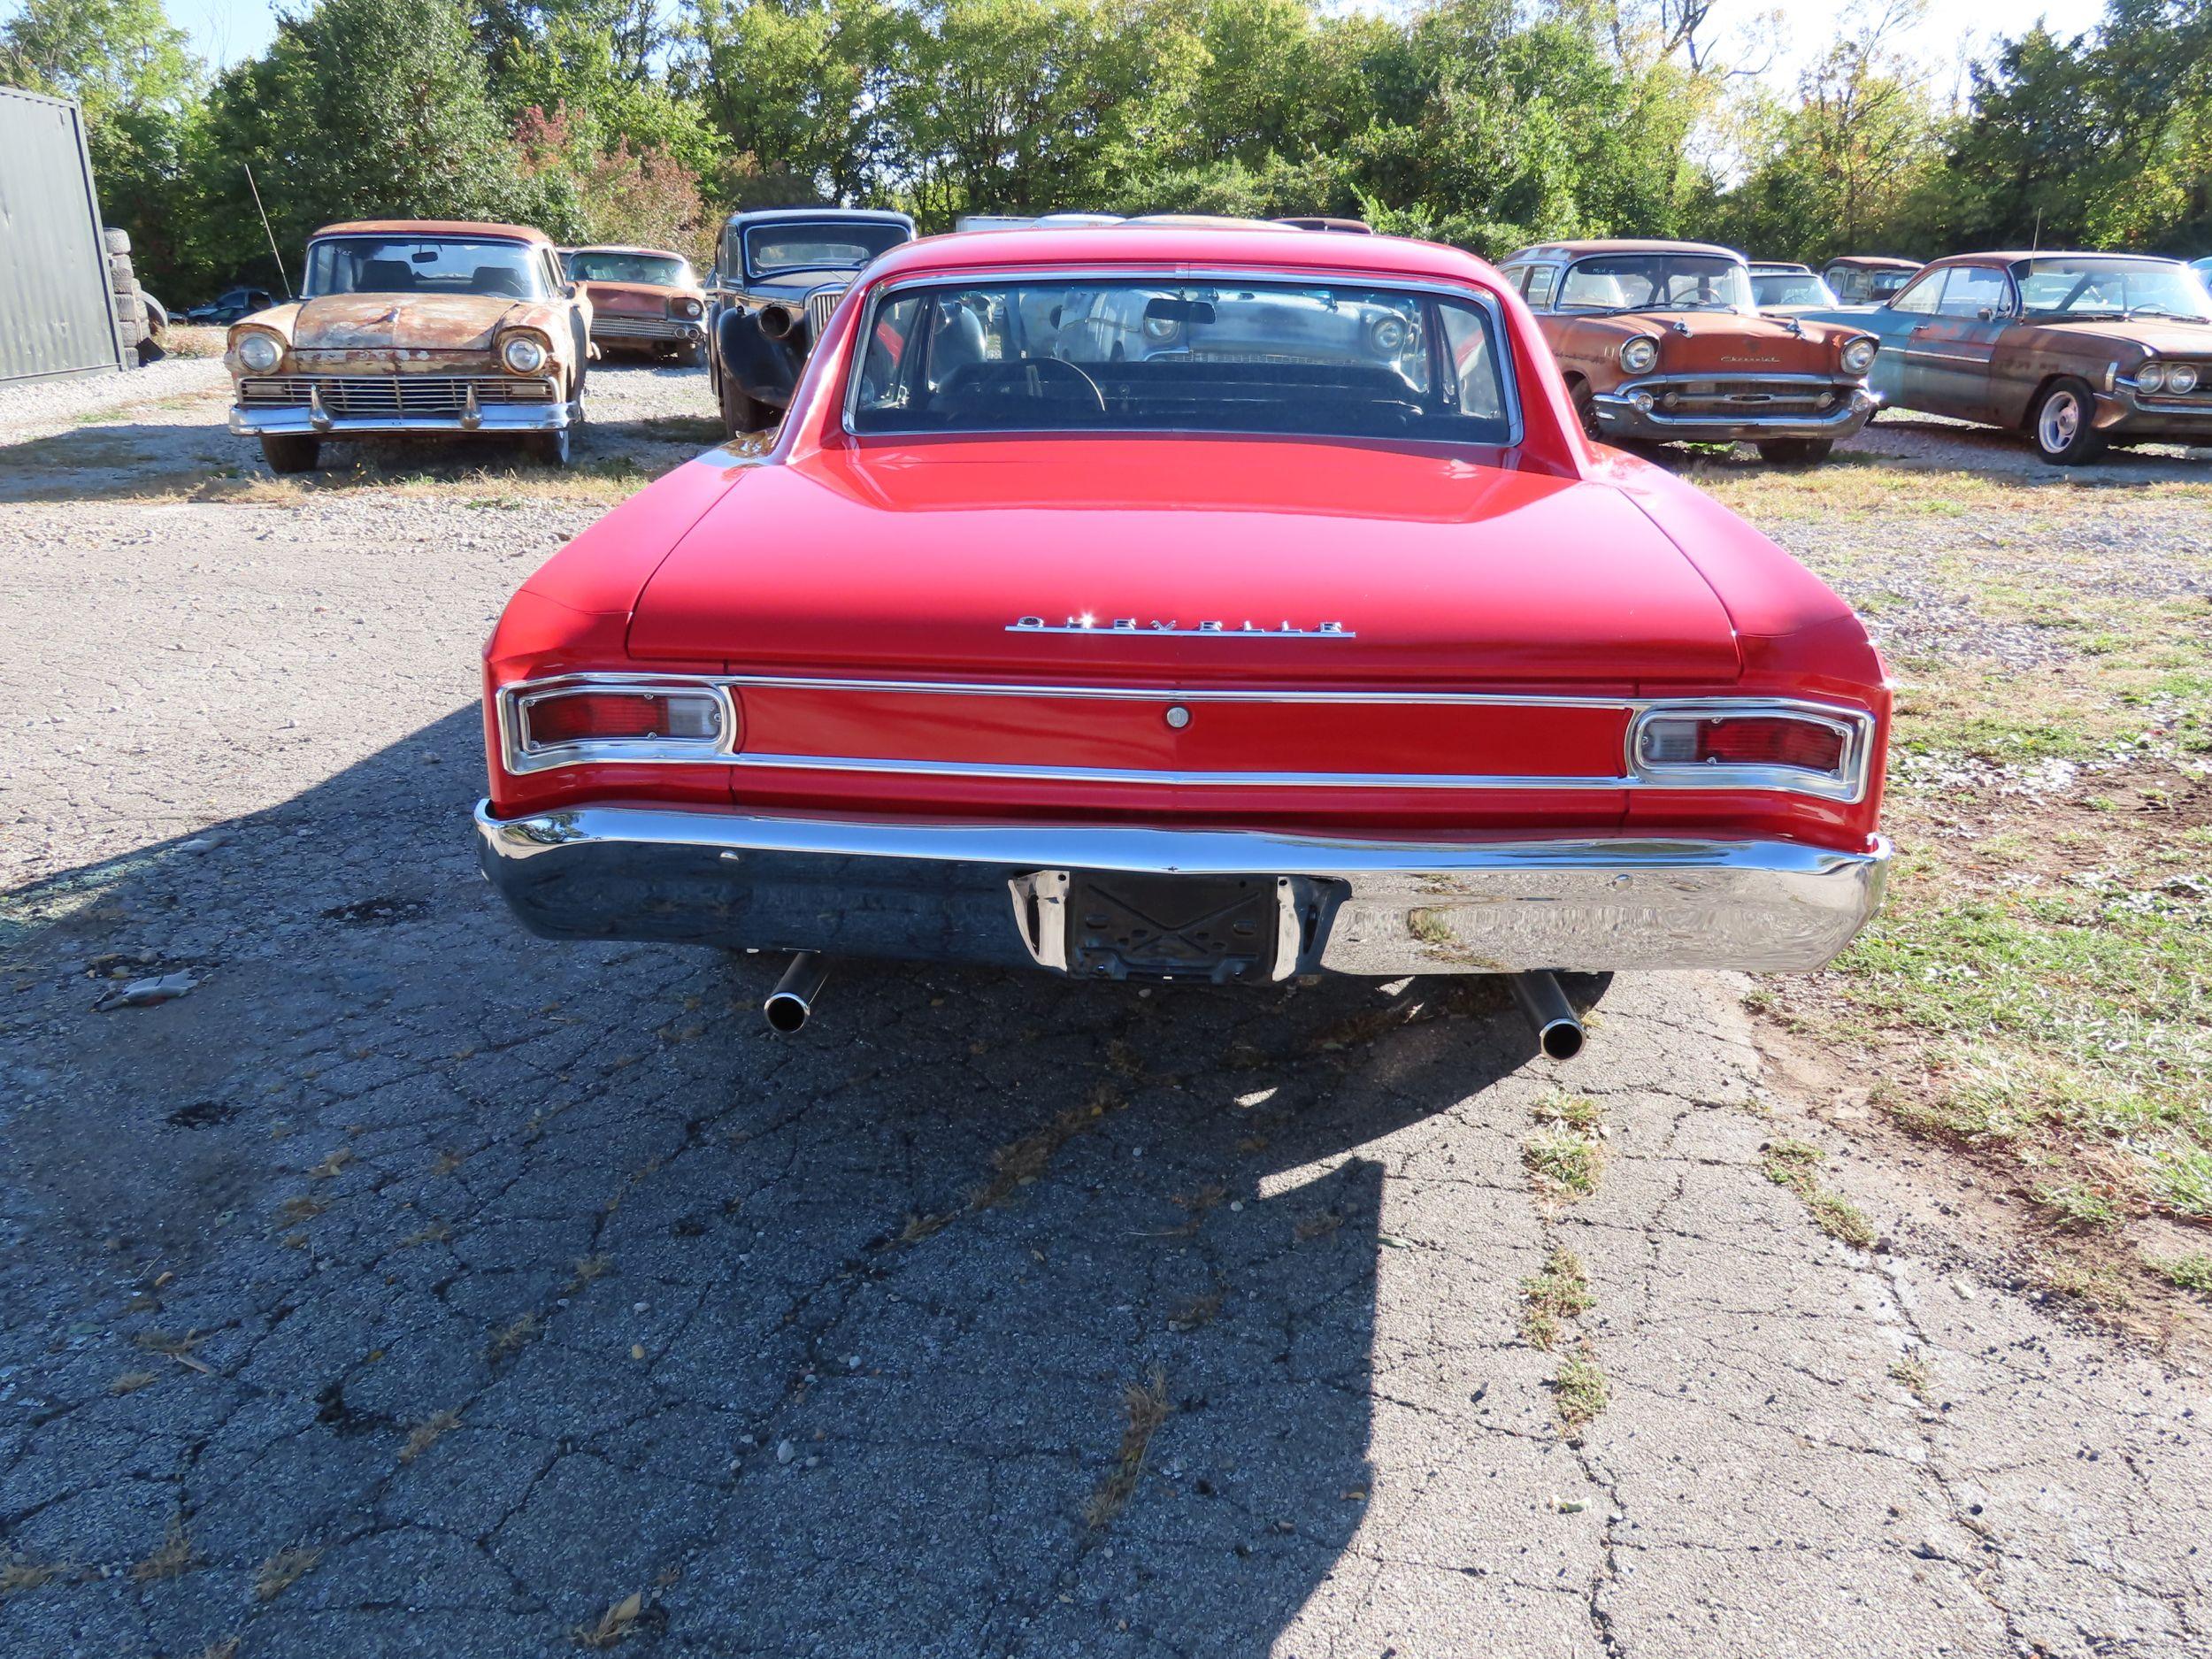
(1855, 724)
(961, 891)
(1137, 271)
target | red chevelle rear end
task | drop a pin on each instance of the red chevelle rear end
(1186, 603)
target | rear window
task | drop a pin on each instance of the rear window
(1159, 355)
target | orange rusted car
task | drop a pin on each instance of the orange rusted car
(415, 328)
(642, 299)
(1660, 342)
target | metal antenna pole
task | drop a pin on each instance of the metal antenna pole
(265, 231)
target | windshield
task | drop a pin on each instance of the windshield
(1156, 355)
(408, 265)
(1655, 282)
(664, 270)
(2111, 288)
(823, 245)
(1794, 288)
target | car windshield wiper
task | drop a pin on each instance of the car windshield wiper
(2159, 310)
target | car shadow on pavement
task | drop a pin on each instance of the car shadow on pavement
(513, 1279)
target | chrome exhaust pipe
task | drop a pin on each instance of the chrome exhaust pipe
(793, 999)
(1553, 1018)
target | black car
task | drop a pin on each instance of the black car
(231, 304)
(779, 273)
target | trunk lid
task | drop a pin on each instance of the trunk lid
(1433, 568)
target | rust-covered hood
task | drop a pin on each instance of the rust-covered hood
(1709, 343)
(2145, 336)
(399, 324)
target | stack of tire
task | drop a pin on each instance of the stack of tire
(138, 313)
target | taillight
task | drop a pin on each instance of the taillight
(1805, 751)
(560, 725)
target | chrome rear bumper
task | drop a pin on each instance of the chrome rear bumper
(991, 892)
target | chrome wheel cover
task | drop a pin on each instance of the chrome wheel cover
(2060, 423)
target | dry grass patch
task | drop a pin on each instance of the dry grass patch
(284, 1570)
(1792, 1164)
(1145, 1405)
(613, 1624)
(426, 1434)
(172, 1558)
(512, 1338)
(18, 1577)
(1911, 1375)
(1563, 1163)
(131, 1381)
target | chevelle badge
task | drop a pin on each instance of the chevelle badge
(1087, 624)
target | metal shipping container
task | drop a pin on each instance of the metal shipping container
(55, 314)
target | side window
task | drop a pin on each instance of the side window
(1480, 390)
(1972, 288)
(1922, 297)
(1537, 290)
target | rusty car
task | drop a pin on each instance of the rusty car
(415, 328)
(2080, 351)
(1660, 343)
(644, 300)
(780, 272)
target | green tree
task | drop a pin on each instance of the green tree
(362, 109)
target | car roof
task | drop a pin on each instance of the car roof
(1624, 244)
(436, 227)
(1873, 262)
(858, 215)
(2021, 256)
(624, 247)
(1779, 267)
(1243, 247)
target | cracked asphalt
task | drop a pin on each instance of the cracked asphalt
(411, 1286)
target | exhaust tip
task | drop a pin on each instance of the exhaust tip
(792, 1001)
(1561, 1040)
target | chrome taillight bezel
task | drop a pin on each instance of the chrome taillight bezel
(1847, 783)
(521, 755)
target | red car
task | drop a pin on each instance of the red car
(1052, 634)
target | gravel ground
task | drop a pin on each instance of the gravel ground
(411, 1286)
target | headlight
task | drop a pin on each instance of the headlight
(1639, 355)
(2150, 377)
(260, 353)
(523, 355)
(1389, 334)
(1160, 327)
(2181, 379)
(1858, 356)
(687, 308)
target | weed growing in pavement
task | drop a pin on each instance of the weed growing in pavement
(1792, 1163)
(173, 1556)
(2192, 1272)
(1580, 1390)
(512, 1338)
(1560, 1293)
(282, 1570)
(1145, 1406)
(1563, 1163)
(426, 1434)
(131, 1381)
(1911, 1374)
(18, 1577)
(613, 1624)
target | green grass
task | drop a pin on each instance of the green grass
(1563, 1163)
(1560, 1293)
(2192, 1272)
(1580, 1391)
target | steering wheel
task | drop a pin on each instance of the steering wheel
(1062, 366)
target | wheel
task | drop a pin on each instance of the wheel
(1586, 411)
(688, 355)
(552, 448)
(2061, 424)
(742, 414)
(286, 452)
(156, 313)
(1796, 451)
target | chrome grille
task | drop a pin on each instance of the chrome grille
(348, 396)
(1748, 396)
(819, 304)
(622, 326)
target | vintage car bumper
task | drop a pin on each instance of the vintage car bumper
(2123, 412)
(999, 894)
(1624, 414)
(370, 406)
